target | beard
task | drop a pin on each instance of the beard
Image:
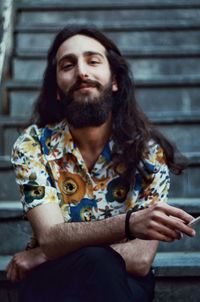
(83, 109)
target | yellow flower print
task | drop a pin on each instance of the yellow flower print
(71, 186)
(120, 169)
(160, 157)
(30, 147)
(101, 183)
(130, 203)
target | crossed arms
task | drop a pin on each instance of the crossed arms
(57, 238)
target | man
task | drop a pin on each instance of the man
(93, 175)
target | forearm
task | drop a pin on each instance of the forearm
(64, 238)
(138, 255)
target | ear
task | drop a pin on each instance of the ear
(114, 84)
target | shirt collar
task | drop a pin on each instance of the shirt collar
(56, 141)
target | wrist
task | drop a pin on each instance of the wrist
(128, 223)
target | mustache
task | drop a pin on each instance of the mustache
(88, 82)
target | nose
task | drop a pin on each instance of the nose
(82, 70)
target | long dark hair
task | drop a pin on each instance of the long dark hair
(131, 128)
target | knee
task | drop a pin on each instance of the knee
(103, 257)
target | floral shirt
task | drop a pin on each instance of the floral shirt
(50, 169)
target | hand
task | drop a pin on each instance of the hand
(161, 222)
(22, 262)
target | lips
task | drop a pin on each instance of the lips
(85, 86)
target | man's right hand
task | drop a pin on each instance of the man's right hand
(161, 222)
(23, 262)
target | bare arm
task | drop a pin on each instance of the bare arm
(57, 238)
(138, 255)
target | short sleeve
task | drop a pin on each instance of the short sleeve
(155, 185)
(31, 171)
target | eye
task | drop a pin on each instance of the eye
(94, 61)
(67, 66)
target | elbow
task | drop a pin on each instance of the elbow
(52, 243)
(145, 266)
(144, 270)
(46, 245)
(141, 269)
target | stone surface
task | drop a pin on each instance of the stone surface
(141, 68)
(8, 187)
(10, 210)
(164, 57)
(22, 99)
(185, 185)
(177, 264)
(40, 42)
(185, 289)
(15, 234)
(103, 16)
(161, 100)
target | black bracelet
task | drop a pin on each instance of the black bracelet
(127, 226)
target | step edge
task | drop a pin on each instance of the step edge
(134, 4)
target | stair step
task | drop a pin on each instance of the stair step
(130, 18)
(59, 4)
(110, 25)
(176, 126)
(142, 69)
(9, 190)
(184, 51)
(185, 135)
(177, 278)
(186, 244)
(7, 121)
(182, 80)
(169, 288)
(15, 232)
(4, 260)
(186, 185)
(190, 205)
(13, 209)
(174, 39)
(179, 264)
(182, 100)
(183, 130)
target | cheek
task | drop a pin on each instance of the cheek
(64, 81)
(103, 76)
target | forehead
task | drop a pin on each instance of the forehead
(79, 44)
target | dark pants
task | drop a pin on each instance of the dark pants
(92, 274)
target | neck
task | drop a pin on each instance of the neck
(92, 139)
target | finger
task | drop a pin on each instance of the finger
(14, 274)
(176, 212)
(21, 274)
(181, 227)
(173, 223)
(9, 269)
(159, 236)
(165, 230)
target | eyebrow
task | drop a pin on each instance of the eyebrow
(71, 56)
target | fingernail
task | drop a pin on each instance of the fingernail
(193, 233)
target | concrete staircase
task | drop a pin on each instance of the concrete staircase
(161, 40)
